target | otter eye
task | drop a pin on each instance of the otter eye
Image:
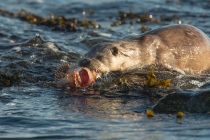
(114, 51)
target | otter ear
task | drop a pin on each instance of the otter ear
(114, 51)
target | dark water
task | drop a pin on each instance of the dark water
(29, 110)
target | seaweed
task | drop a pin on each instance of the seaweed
(140, 18)
(8, 80)
(131, 17)
(152, 81)
(58, 22)
(73, 24)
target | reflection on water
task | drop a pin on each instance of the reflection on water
(117, 106)
(51, 113)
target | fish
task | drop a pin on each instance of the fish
(79, 77)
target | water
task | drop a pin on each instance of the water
(31, 110)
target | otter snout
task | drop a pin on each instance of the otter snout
(84, 62)
(94, 64)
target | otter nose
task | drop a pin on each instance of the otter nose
(84, 62)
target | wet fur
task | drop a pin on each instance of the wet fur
(182, 48)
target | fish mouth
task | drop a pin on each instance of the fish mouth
(75, 77)
(84, 76)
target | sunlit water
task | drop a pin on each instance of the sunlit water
(31, 111)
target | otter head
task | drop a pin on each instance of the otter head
(105, 58)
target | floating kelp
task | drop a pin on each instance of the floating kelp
(72, 24)
(144, 28)
(7, 13)
(142, 18)
(169, 18)
(152, 81)
(129, 17)
(7, 80)
(180, 114)
(150, 113)
(58, 22)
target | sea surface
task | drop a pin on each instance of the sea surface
(31, 109)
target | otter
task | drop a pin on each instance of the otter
(182, 48)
